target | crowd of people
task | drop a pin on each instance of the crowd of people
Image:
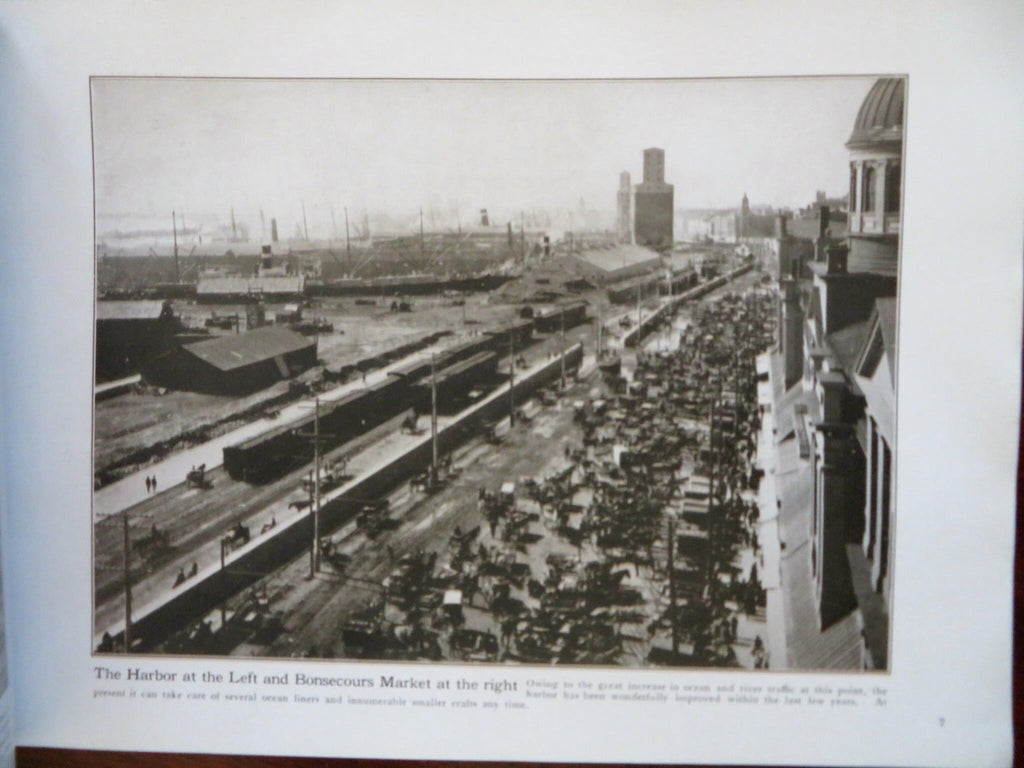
(578, 567)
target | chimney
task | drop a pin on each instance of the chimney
(273, 230)
(792, 333)
(821, 243)
(510, 234)
(835, 256)
(781, 226)
(547, 246)
(823, 222)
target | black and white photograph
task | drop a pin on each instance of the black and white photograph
(536, 372)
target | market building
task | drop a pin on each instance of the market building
(828, 442)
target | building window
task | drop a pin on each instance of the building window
(868, 193)
(852, 205)
(892, 188)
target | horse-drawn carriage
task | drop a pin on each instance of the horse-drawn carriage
(155, 542)
(238, 537)
(374, 517)
(196, 478)
(409, 424)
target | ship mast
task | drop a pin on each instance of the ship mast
(174, 230)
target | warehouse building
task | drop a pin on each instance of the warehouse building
(234, 364)
(131, 333)
(614, 263)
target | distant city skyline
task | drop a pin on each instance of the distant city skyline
(203, 147)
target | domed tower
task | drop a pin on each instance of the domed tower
(876, 155)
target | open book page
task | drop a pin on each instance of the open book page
(402, 401)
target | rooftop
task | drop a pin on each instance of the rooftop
(616, 257)
(238, 350)
(880, 119)
(846, 344)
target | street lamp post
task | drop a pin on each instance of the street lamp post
(127, 585)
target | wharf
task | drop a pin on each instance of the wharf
(161, 607)
(131, 489)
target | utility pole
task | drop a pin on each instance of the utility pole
(433, 417)
(522, 235)
(127, 584)
(639, 313)
(305, 227)
(511, 379)
(712, 512)
(600, 326)
(672, 585)
(561, 344)
(421, 238)
(174, 229)
(314, 551)
(348, 245)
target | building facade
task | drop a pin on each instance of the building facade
(876, 172)
(829, 418)
(131, 333)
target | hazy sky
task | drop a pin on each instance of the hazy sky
(202, 146)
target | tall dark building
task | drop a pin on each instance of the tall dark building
(625, 203)
(653, 201)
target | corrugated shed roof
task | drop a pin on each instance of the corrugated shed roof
(238, 350)
(678, 261)
(458, 368)
(129, 310)
(620, 257)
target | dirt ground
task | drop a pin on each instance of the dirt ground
(136, 420)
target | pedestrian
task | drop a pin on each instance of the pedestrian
(154, 483)
(149, 484)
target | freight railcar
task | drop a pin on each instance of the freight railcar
(551, 320)
(519, 333)
(270, 455)
(267, 456)
(454, 382)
